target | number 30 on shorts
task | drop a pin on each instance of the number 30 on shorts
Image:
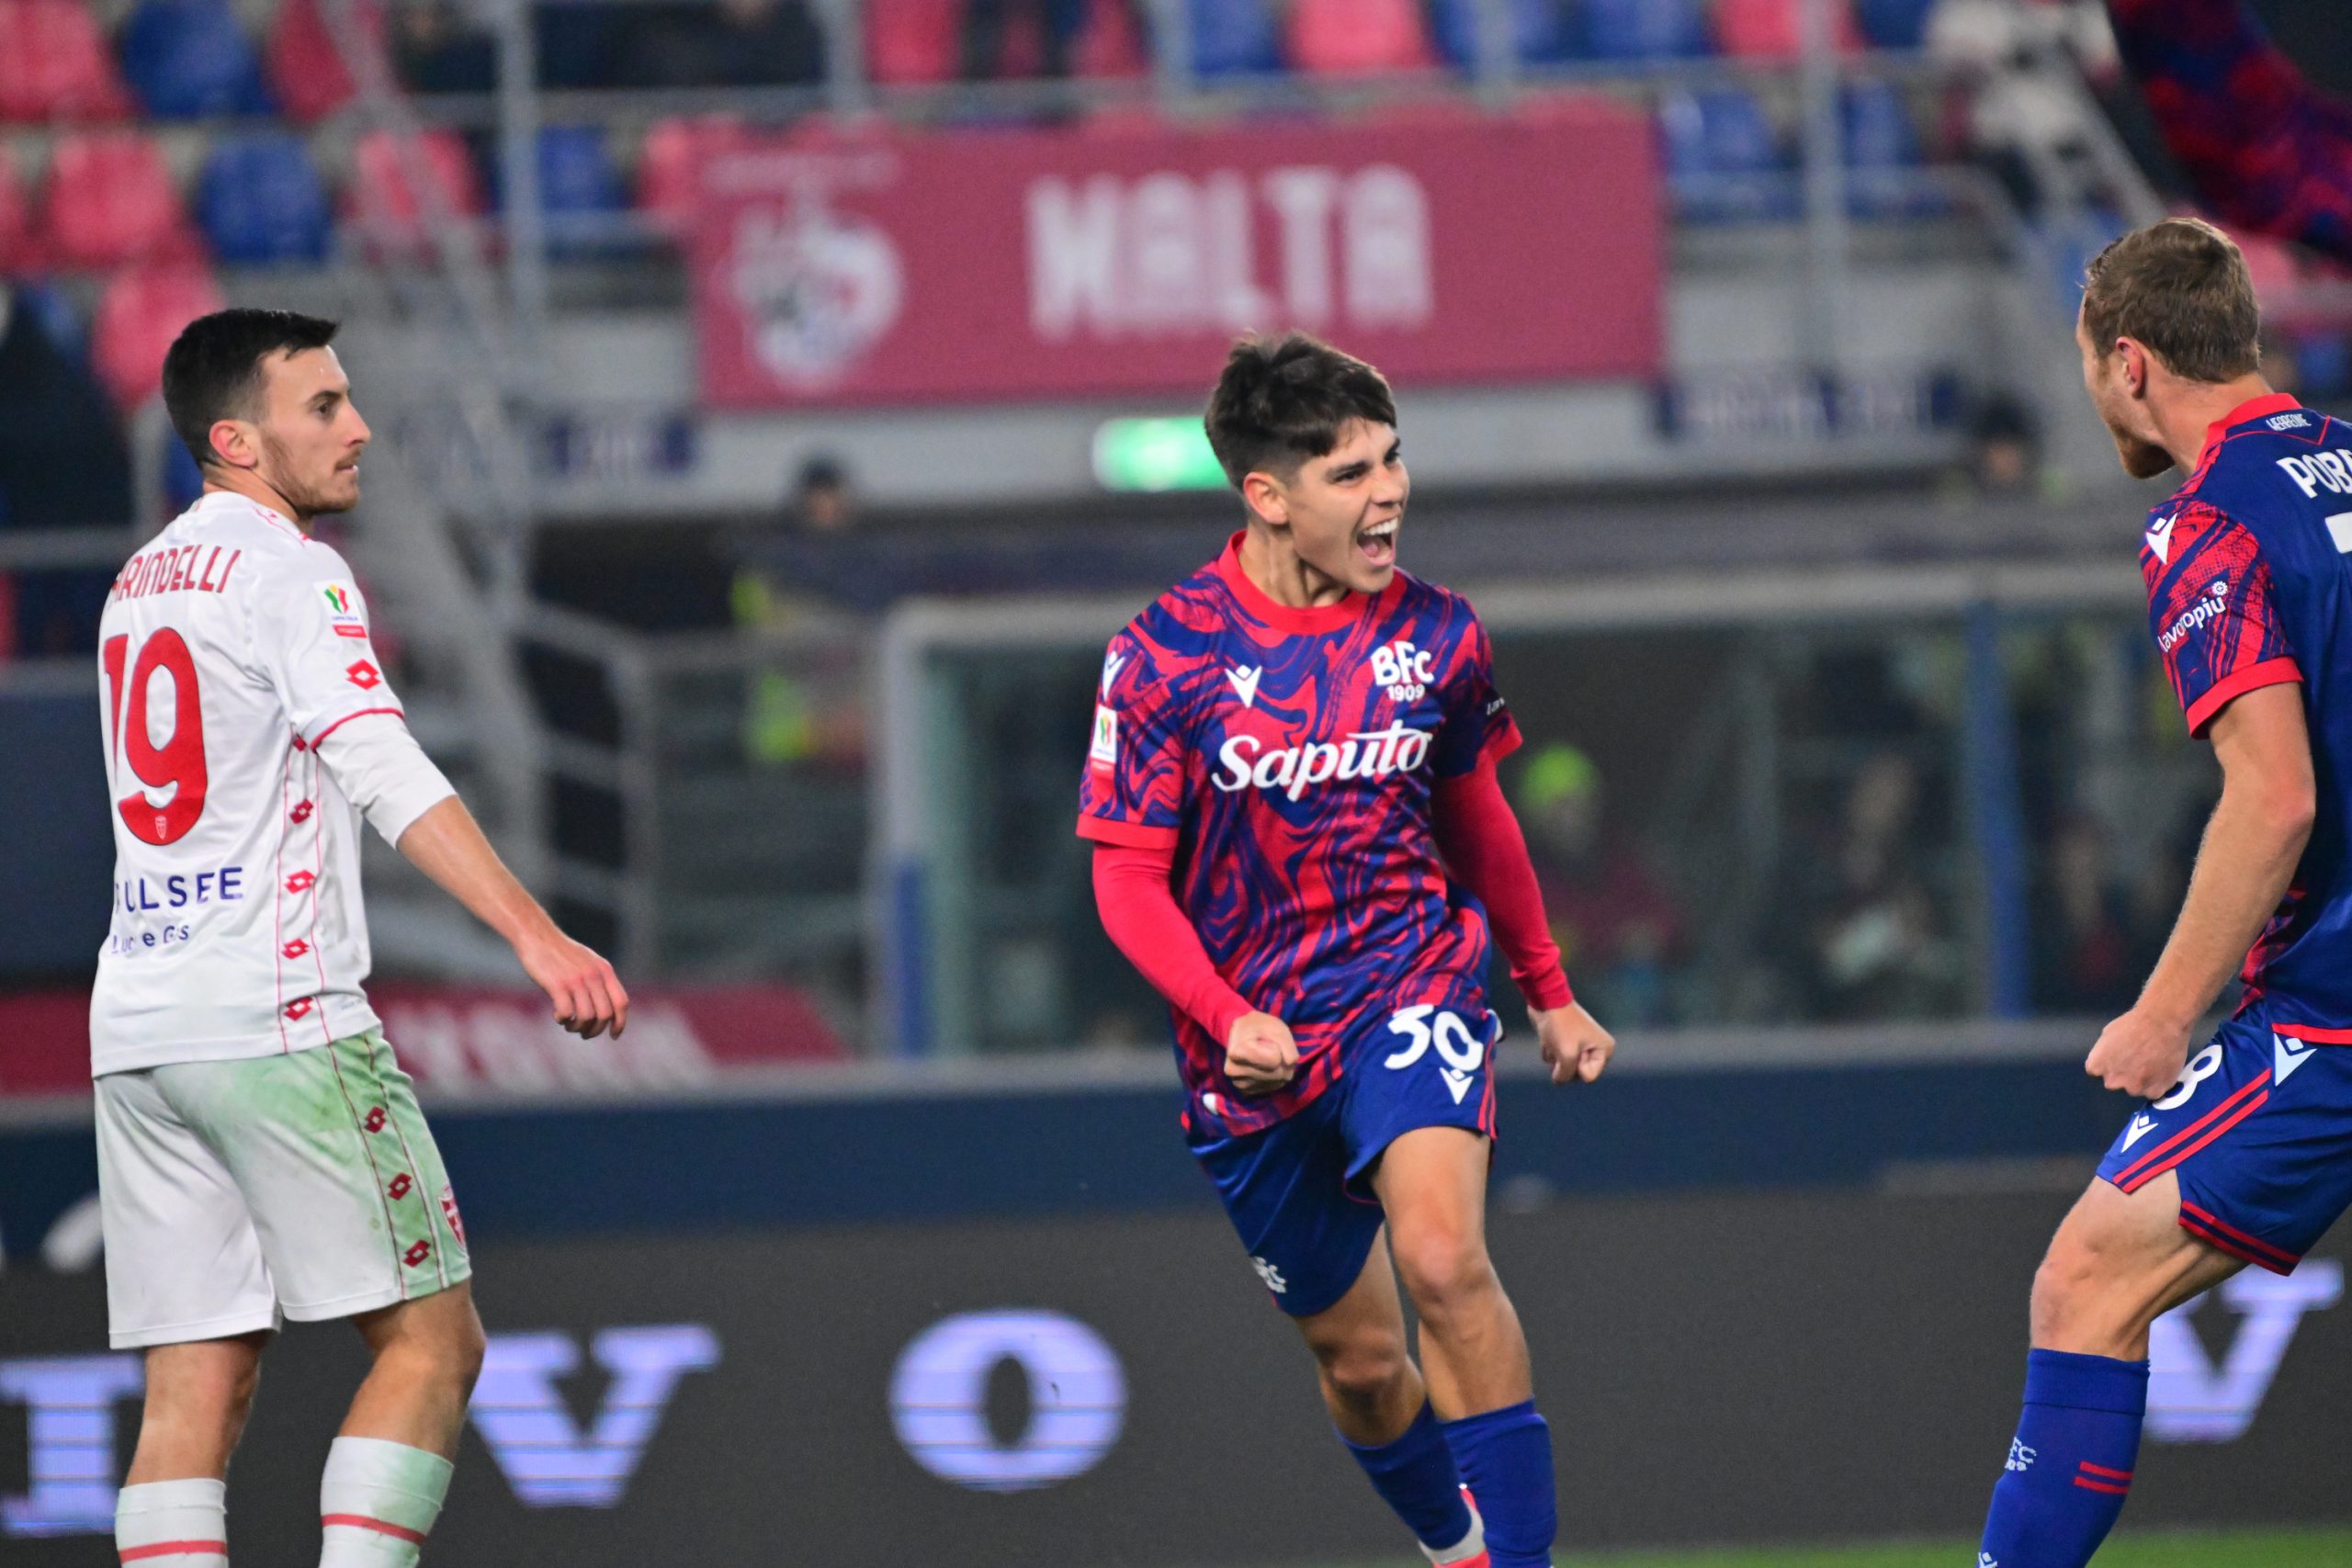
(1459, 1051)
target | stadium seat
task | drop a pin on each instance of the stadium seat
(669, 165)
(54, 64)
(260, 204)
(109, 199)
(1356, 38)
(1724, 159)
(1539, 29)
(1233, 37)
(1642, 29)
(387, 205)
(187, 59)
(1110, 42)
(306, 68)
(1773, 29)
(579, 188)
(1895, 24)
(141, 310)
(913, 40)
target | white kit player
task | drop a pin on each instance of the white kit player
(261, 1155)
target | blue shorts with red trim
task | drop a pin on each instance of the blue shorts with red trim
(2258, 1131)
(1300, 1191)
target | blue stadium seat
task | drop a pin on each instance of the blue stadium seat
(1233, 37)
(1644, 29)
(1882, 148)
(1895, 24)
(1723, 159)
(187, 59)
(1539, 29)
(581, 189)
(183, 481)
(260, 202)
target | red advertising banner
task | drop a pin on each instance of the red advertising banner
(889, 266)
(467, 1042)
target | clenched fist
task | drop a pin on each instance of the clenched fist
(1259, 1054)
(1573, 1043)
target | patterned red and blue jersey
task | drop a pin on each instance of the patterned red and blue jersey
(2249, 586)
(2264, 149)
(1288, 757)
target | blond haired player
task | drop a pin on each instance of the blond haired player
(261, 1155)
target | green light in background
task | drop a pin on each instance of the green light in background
(1155, 454)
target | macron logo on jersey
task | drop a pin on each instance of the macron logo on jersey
(1245, 683)
(1244, 763)
(2160, 540)
(1112, 664)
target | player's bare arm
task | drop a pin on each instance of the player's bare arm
(447, 845)
(2253, 842)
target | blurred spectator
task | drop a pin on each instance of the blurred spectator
(999, 33)
(2087, 959)
(2004, 456)
(794, 711)
(731, 43)
(433, 50)
(1612, 916)
(1874, 942)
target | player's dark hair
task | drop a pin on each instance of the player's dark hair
(1282, 401)
(2181, 287)
(213, 371)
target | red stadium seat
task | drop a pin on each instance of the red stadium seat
(1354, 37)
(141, 312)
(669, 165)
(1772, 29)
(54, 64)
(913, 40)
(384, 202)
(1110, 42)
(305, 67)
(110, 199)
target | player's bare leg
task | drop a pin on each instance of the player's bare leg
(1433, 1185)
(175, 1496)
(428, 1352)
(1381, 1407)
(389, 1470)
(1370, 1383)
(2120, 1261)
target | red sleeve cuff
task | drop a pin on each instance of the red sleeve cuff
(1131, 835)
(1545, 992)
(2269, 672)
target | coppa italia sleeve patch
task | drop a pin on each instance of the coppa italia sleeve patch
(342, 609)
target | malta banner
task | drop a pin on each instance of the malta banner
(890, 266)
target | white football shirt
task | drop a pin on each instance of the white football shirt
(231, 644)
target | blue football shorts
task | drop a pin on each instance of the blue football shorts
(1300, 1191)
(2258, 1132)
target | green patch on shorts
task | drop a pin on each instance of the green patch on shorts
(428, 1239)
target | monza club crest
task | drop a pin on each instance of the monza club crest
(817, 289)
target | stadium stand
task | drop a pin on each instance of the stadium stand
(912, 41)
(111, 198)
(1539, 33)
(306, 70)
(141, 310)
(1344, 38)
(389, 206)
(1233, 37)
(17, 254)
(1644, 30)
(1772, 29)
(54, 64)
(1725, 159)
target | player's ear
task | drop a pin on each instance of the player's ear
(1262, 493)
(232, 443)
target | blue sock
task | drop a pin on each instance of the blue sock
(1416, 1476)
(2070, 1464)
(1505, 1460)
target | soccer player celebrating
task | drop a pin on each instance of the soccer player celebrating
(2245, 1153)
(260, 1155)
(1300, 841)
